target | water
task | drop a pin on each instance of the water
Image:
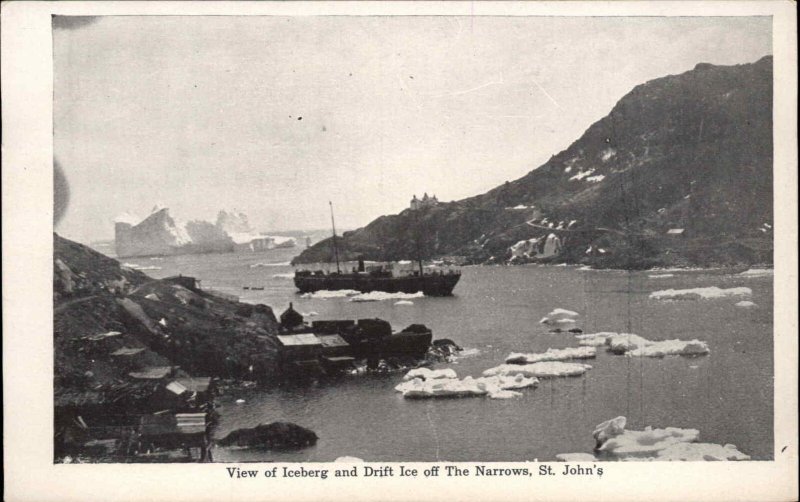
(496, 310)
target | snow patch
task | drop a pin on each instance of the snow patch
(582, 174)
(596, 178)
(607, 154)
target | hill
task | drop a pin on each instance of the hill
(109, 321)
(678, 173)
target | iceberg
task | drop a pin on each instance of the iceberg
(404, 302)
(746, 304)
(553, 355)
(704, 293)
(670, 348)
(546, 369)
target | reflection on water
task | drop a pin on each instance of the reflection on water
(496, 310)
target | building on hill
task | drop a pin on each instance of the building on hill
(425, 201)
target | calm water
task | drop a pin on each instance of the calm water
(496, 310)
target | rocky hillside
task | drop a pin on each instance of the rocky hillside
(160, 323)
(690, 151)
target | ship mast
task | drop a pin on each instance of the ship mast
(419, 248)
(335, 248)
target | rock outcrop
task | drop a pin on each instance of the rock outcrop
(273, 436)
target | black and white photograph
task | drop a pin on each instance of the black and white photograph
(343, 241)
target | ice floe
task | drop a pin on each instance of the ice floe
(281, 264)
(559, 311)
(745, 304)
(559, 316)
(693, 452)
(324, 294)
(623, 342)
(545, 369)
(552, 355)
(660, 276)
(705, 293)
(594, 339)
(636, 346)
(288, 275)
(496, 387)
(429, 374)
(576, 457)
(757, 272)
(614, 442)
(404, 302)
(376, 296)
(670, 348)
(348, 460)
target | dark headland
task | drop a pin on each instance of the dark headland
(679, 173)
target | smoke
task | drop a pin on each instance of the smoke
(60, 193)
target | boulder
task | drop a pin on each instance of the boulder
(276, 435)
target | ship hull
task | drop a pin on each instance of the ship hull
(430, 285)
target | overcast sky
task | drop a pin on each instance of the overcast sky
(274, 116)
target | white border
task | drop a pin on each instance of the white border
(27, 288)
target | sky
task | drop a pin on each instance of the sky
(276, 116)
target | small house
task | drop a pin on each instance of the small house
(333, 345)
(301, 346)
(187, 282)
